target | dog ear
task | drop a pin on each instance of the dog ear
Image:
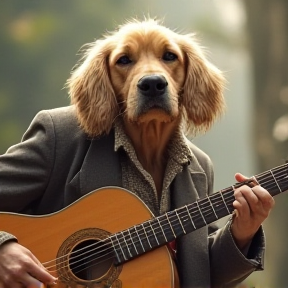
(203, 99)
(91, 91)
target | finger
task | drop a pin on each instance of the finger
(35, 259)
(247, 201)
(241, 204)
(250, 197)
(31, 282)
(265, 201)
(264, 197)
(40, 273)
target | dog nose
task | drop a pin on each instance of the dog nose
(152, 85)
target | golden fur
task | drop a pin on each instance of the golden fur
(111, 82)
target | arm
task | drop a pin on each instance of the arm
(25, 168)
(24, 173)
(230, 262)
(242, 239)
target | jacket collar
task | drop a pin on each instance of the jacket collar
(101, 167)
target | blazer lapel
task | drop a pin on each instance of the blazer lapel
(192, 251)
(101, 166)
(189, 185)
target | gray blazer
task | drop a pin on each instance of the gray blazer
(56, 163)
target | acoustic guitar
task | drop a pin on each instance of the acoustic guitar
(108, 238)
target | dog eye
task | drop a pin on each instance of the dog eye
(169, 56)
(124, 60)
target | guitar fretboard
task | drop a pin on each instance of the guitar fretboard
(158, 231)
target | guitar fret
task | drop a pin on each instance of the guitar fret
(115, 249)
(275, 181)
(212, 207)
(124, 256)
(190, 217)
(126, 244)
(199, 208)
(153, 232)
(224, 201)
(207, 210)
(139, 239)
(146, 236)
(170, 225)
(133, 242)
(180, 221)
(217, 202)
(229, 200)
(162, 230)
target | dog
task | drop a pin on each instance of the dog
(156, 79)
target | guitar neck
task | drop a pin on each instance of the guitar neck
(158, 231)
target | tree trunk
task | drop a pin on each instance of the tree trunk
(267, 27)
(268, 38)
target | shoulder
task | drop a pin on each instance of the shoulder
(60, 116)
(59, 125)
(62, 120)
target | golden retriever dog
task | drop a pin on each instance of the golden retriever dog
(156, 79)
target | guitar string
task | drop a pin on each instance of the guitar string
(97, 252)
(199, 201)
(205, 199)
(167, 224)
(97, 248)
(124, 238)
(113, 254)
(93, 260)
(127, 229)
(267, 182)
(100, 247)
(162, 216)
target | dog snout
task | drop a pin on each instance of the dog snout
(152, 85)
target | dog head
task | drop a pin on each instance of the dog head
(145, 71)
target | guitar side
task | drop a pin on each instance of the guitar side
(109, 209)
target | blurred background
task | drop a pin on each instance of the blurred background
(248, 40)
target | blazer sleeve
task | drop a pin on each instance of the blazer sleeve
(25, 168)
(228, 265)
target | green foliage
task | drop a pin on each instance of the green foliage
(39, 45)
(40, 41)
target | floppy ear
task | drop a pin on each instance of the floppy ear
(91, 91)
(203, 99)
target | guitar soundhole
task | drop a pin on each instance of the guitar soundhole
(87, 258)
(91, 259)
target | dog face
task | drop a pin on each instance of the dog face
(144, 71)
(147, 71)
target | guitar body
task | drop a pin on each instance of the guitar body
(84, 223)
